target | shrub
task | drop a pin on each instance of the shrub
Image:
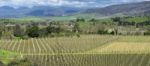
(33, 31)
(78, 35)
(43, 32)
(1, 64)
(0, 34)
(51, 29)
(69, 34)
(102, 32)
(147, 33)
(24, 37)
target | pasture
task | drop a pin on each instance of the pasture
(88, 50)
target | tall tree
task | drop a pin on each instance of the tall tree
(18, 32)
(76, 28)
(116, 20)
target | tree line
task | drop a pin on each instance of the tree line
(73, 28)
(33, 30)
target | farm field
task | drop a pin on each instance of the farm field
(88, 50)
(74, 33)
(127, 45)
(125, 48)
(56, 45)
(92, 60)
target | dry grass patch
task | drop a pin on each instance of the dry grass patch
(125, 48)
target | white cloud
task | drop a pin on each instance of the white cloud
(77, 3)
(133, 0)
(31, 3)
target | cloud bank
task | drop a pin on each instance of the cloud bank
(75, 3)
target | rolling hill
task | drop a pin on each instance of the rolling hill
(129, 9)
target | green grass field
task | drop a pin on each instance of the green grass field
(7, 57)
(137, 19)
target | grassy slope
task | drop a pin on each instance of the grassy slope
(101, 19)
(6, 57)
(24, 19)
(137, 19)
(73, 17)
(28, 19)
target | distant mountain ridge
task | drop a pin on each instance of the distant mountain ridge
(8, 12)
(130, 9)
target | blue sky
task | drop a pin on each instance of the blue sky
(76, 3)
